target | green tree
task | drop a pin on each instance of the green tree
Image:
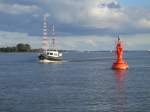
(23, 47)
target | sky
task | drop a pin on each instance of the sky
(136, 2)
(79, 24)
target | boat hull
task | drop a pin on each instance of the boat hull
(45, 58)
(48, 61)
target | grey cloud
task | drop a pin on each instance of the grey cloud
(113, 5)
(75, 17)
(18, 9)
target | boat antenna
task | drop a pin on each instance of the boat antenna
(45, 42)
(53, 39)
(53, 30)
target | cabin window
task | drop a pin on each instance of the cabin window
(55, 54)
(51, 53)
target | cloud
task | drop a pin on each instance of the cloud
(111, 4)
(85, 12)
(132, 42)
(18, 8)
(80, 24)
(101, 14)
(81, 16)
(144, 23)
(138, 41)
(96, 13)
(92, 42)
(13, 38)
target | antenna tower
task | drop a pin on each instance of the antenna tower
(45, 41)
(53, 39)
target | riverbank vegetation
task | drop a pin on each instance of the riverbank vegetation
(21, 47)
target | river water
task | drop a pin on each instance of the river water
(83, 82)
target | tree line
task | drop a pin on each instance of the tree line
(18, 48)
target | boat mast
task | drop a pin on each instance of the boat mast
(45, 41)
(53, 35)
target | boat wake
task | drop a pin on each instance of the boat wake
(50, 61)
(75, 60)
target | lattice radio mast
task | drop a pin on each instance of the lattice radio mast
(45, 41)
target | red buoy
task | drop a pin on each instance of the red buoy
(120, 63)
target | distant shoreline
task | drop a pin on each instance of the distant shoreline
(26, 48)
(38, 50)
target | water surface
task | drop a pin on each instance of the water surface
(84, 82)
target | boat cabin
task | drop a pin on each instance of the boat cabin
(53, 53)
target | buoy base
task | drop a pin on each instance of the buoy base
(120, 66)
